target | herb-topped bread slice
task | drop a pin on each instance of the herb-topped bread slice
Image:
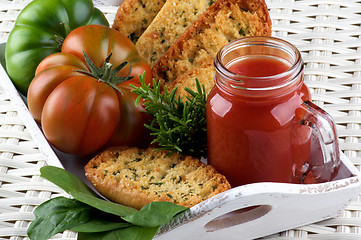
(136, 177)
(171, 21)
(223, 22)
(205, 75)
(134, 16)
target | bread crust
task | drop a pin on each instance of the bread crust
(204, 74)
(136, 177)
(171, 21)
(224, 21)
(134, 16)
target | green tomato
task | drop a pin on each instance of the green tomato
(40, 30)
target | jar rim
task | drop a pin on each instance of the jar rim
(235, 79)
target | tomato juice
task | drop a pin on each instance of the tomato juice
(253, 121)
(258, 66)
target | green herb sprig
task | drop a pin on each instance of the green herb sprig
(92, 217)
(179, 125)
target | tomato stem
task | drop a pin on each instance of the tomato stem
(59, 40)
(106, 73)
(64, 30)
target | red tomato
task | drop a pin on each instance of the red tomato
(81, 112)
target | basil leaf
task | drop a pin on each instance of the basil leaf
(101, 222)
(55, 216)
(80, 191)
(130, 233)
(93, 217)
(104, 205)
(99, 225)
(155, 214)
(65, 180)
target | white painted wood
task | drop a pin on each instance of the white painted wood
(279, 207)
(107, 2)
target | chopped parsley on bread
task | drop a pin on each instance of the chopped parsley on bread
(223, 22)
(134, 16)
(136, 177)
(171, 21)
(205, 75)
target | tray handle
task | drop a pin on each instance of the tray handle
(256, 210)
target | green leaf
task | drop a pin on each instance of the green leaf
(104, 205)
(130, 233)
(55, 216)
(92, 217)
(100, 224)
(65, 180)
(155, 214)
(80, 191)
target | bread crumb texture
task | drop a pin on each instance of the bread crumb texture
(136, 177)
(204, 74)
(223, 22)
(171, 21)
(134, 16)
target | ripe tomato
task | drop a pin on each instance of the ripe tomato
(86, 103)
(39, 31)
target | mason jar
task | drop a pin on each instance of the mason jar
(260, 120)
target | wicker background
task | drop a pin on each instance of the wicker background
(327, 32)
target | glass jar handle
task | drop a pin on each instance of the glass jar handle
(324, 128)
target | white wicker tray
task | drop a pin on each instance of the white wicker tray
(228, 214)
(327, 32)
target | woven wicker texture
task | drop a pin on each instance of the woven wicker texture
(21, 188)
(328, 34)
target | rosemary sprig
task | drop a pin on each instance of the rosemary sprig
(178, 125)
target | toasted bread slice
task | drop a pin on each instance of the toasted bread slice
(205, 75)
(171, 21)
(134, 16)
(136, 177)
(223, 22)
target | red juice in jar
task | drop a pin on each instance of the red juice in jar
(258, 66)
(256, 114)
